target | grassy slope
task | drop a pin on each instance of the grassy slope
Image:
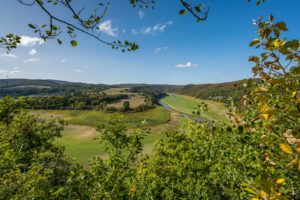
(80, 142)
(187, 104)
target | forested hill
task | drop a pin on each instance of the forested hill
(28, 87)
(37, 82)
(212, 91)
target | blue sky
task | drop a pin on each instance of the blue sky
(173, 49)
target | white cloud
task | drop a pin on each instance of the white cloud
(32, 60)
(186, 65)
(134, 31)
(27, 41)
(141, 14)
(147, 31)
(63, 60)
(107, 28)
(32, 52)
(9, 72)
(152, 30)
(77, 70)
(158, 49)
(15, 72)
(9, 55)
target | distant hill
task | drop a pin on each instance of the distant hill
(36, 82)
(216, 91)
(40, 87)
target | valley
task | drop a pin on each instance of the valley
(86, 108)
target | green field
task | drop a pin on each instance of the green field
(93, 118)
(80, 136)
(186, 104)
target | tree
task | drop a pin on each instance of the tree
(126, 106)
(32, 166)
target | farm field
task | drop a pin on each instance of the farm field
(187, 104)
(81, 140)
(134, 99)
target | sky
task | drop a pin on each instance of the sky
(174, 49)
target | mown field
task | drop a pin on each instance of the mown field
(187, 104)
(134, 99)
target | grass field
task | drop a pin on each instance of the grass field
(93, 118)
(82, 144)
(186, 104)
(79, 137)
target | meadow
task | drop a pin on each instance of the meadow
(95, 118)
(187, 104)
(82, 140)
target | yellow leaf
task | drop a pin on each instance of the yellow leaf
(286, 148)
(298, 150)
(294, 94)
(299, 167)
(263, 193)
(255, 198)
(278, 43)
(265, 116)
(298, 100)
(264, 108)
(280, 181)
(294, 161)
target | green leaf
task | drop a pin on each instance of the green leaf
(254, 42)
(59, 41)
(32, 26)
(197, 8)
(74, 43)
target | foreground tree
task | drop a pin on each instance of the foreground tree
(257, 157)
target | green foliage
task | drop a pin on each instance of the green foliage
(9, 42)
(73, 43)
(32, 166)
(76, 101)
(126, 106)
(272, 107)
